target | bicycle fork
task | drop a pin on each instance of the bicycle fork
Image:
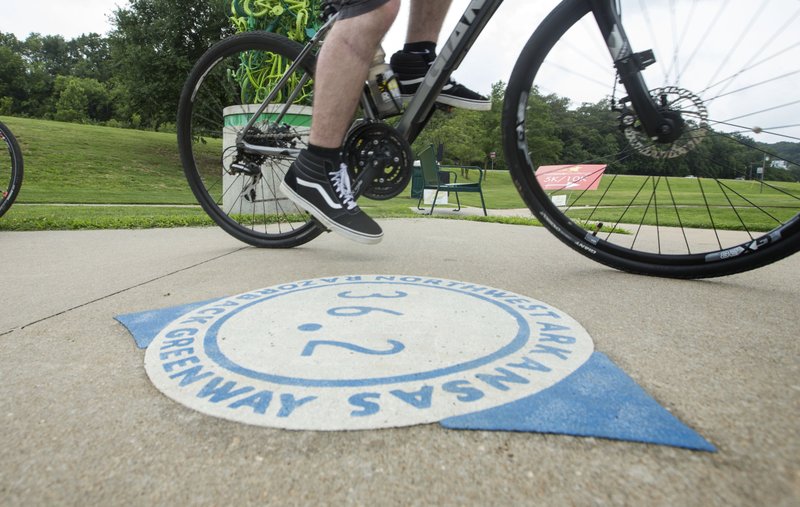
(658, 124)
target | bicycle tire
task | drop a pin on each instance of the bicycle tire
(631, 196)
(239, 191)
(11, 169)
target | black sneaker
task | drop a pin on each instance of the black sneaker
(317, 186)
(410, 69)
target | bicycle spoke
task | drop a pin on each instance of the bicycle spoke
(713, 23)
(678, 215)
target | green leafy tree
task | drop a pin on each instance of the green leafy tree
(467, 136)
(491, 127)
(10, 41)
(154, 45)
(29, 71)
(45, 56)
(48, 53)
(542, 130)
(12, 80)
(90, 57)
(81, 100)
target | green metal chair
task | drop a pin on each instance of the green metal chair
(432, 174)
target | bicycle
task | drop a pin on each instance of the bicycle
(10, 168)
(674, 202)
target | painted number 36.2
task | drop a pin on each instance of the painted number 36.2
(359, 311)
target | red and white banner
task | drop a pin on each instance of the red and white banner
(570, 177)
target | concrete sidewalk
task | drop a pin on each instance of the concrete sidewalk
(83, 425)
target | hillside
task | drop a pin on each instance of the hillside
(68, 164)
(72, 163)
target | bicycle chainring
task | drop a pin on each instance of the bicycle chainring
(380, 146)
(686, 108)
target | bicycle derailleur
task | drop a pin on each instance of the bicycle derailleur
(379, 160)
(248, 163)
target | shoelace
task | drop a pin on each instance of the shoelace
(341, 183)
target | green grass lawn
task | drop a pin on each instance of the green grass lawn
(139, 174)
(54, 217)
(74, 164)
(701, 202)
(86, 164)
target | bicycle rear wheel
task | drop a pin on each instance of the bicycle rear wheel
(10, 168)
(721, 198)
(239, 189)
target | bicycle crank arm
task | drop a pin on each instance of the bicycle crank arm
(374, 167)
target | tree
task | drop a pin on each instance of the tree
(468, 136)
(12, 80)
(491, 140)
(47, 53)
(541, 130)
(90, 57)
(154, 45)
(81, 100)
(45, 56)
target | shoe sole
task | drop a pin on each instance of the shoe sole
(472, 105)
(327, 222)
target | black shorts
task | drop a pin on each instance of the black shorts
(353, 8)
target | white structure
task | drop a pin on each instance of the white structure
(265, 196)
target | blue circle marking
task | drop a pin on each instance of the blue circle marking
(366, 352)
(213, 351)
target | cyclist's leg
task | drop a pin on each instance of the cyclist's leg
(318, 181)
(425, 20)
(342, 68)
(411, 64)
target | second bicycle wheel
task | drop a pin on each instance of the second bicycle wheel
(239, 187)
(10, 168)
(721, 198)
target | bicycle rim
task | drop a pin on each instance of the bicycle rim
(721, 198)
(10, 168)
(239, 189)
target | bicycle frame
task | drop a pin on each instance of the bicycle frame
(469, 27)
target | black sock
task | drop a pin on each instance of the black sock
(425, 48)
(332, 154)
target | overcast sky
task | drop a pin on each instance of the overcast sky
(69, 18)
(493, 55)
(499, 44)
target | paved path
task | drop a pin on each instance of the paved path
(80, 423)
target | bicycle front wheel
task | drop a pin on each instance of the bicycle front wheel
(720, 198)
(10, 168)
(236, 186)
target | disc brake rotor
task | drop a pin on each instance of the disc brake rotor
(684, 106)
